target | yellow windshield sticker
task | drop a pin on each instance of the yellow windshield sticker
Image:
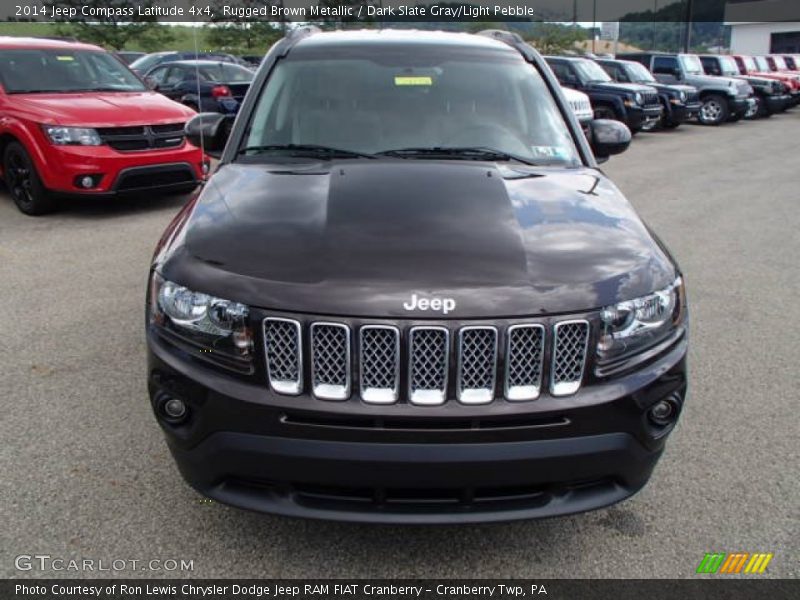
(403, 80)
(67, 58)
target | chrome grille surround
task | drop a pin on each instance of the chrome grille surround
(380, 364)
(428, 365)
(283, 348)
(570, 345)
(330, 360)
(477, 364)
(524, 362)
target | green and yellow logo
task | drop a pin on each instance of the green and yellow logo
(737, 562)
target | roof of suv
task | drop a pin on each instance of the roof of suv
(400, 36)
(8, 42)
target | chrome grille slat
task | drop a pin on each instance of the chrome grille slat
(571, 339)
(380, 364)
(283, 349)
(477, 364)
(428, 364)
(524, 362)
(330, 361)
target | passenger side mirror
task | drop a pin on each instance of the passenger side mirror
(609, 138)
(209, 131)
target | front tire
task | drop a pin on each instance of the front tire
(23, 182)
(715, 110)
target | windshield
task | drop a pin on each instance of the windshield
(749, 63)
(148, 61)
(590, 71)
(226, 73)
(691, 64)
(64, 70)
(433, 98)
(638, 73)
(763, 66)
(728, 65)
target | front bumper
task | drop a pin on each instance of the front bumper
(297, 456)
(681, 113)
(117, 172)
(739, 106)
(639, 118)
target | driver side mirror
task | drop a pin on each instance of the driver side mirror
(609, 138)
(209, 131)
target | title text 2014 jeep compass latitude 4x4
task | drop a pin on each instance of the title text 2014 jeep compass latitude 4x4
(409, 295)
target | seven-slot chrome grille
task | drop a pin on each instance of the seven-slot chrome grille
(414, 364)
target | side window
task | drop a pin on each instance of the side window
(175, 76)
(665, 65)
(710, 65)
(563, 73)
(158, 75)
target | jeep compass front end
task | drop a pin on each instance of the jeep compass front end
(408, 294)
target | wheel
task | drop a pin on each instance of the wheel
(24, 183)
(605, 112)
(714, 111)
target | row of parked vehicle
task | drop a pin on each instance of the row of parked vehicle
(75, 119)
(648, 90)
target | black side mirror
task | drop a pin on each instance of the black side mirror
(150, 83)
(609, 138)
(209, 131)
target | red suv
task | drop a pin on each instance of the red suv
(74, 120)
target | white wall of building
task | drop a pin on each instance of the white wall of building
(754, 38)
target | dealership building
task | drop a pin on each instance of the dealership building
(776, 35)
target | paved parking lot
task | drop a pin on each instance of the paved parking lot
(85, 472)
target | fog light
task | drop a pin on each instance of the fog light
(174, 408)
(663, 412)
(87, 182)
(206, 168)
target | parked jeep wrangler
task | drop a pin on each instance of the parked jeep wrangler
(758, 67)
(409, 295)
(680, 102)
(724, 98)
(772, 95)
(635, 105)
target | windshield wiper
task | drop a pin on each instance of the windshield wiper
(465, 153)
(305, 149)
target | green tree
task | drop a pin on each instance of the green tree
(116, 30)
(554, 38)
(242, 34)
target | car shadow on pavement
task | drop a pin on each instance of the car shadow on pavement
(82, 207)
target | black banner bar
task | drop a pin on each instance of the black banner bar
(383, 11)
(705, 587)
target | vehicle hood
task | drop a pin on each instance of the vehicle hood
(613, 86)
(360, 237)
(113, 109)
(719, 81)
(673, 87)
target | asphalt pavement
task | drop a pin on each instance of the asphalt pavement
(86, 474)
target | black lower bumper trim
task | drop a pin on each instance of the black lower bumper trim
(417, 483)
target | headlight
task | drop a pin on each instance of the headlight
(683, 96)
(213, 324)
(73, 136)
(633, 326)
(638, 98)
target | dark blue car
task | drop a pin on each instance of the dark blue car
(204, 85)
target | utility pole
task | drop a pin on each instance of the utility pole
(594, 24)
(655, 10)
(687, 38)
